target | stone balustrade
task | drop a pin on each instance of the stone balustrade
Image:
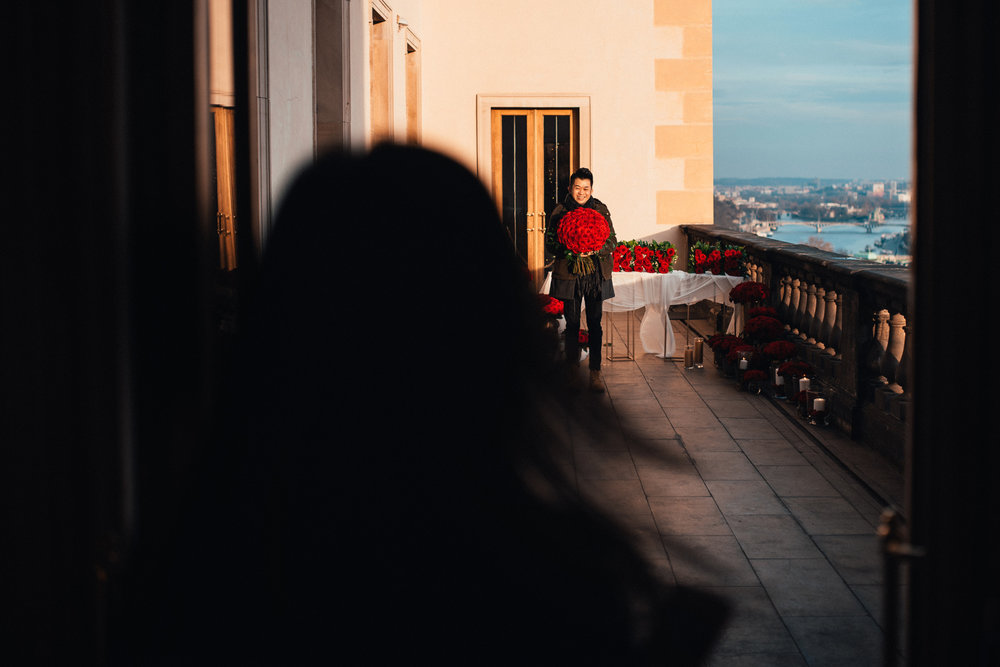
(848, 318)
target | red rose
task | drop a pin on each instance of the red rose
(583, 230)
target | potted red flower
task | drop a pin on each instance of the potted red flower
(749, 292)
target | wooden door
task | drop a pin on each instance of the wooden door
(225, 182)
(534, 153)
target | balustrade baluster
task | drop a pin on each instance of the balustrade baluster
(894, 351)
(829, 317)
(819, 312)
(784, 305)
(802, 320)
(797, 299)
(838, 325)
(880, 341)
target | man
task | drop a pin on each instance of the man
(588, 289)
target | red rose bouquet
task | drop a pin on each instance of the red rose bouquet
(644, 256)
(748, 292)
(763, 329)
(582, 231)
(715, 261)
(780, 350)
(664, 258)
(622, 258)
(732, 260)
(551, 306)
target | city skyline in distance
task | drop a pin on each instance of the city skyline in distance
(807, 89)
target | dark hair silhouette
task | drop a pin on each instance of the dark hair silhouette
(399, 494)
(583, 174)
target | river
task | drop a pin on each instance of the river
(845, 238)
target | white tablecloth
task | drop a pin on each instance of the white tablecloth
(657, 292)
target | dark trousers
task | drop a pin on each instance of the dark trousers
(593, 304)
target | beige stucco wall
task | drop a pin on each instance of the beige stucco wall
(290, 91)
(645, 66)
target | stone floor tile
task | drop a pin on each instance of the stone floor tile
(771, 452)
(648, 427)
(627, 390)
(750, 429)
(806, 587)
(658, 453)
(692, 417)
(636, 407)
(593, 465)
(754, 627)
(797, 481)
(772, 536)
(679, 399)
(828, 516)
(834, 642)
(709, 560)
(757, 660)
(619, 497)
(710, 438)
(681, 479)
(724, 466)
(745, 497)
(734, 408)
(688, 516)
(857, 558)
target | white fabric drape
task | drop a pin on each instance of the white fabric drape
(657, 292)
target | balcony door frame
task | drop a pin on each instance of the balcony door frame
(486, 158)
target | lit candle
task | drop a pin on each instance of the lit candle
(743, 364)
(688, 358)
(819, 405)
(804, 384)
(779, 379)
(698, 350)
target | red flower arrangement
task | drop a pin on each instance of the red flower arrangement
(583, 338)
(715, 261)
(644, 256)
(732, 261)
(763, 329)
(622, 258)
(722, 342)
(582, 231)
(748, 292)
(551, 306)
(736, 350)
(762, 310)
(794, 369)
(780, 350)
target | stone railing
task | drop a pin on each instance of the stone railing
(849, 320)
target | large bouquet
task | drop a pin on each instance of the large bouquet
(582, 231)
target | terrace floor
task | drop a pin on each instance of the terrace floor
(732, 492)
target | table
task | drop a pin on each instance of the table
(656, 292)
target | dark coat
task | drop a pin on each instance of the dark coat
(563, 280)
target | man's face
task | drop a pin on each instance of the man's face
(580, 190)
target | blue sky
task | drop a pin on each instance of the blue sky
(813, 88)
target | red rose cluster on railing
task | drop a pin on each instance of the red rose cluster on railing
(717, 259)
(644, 256)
